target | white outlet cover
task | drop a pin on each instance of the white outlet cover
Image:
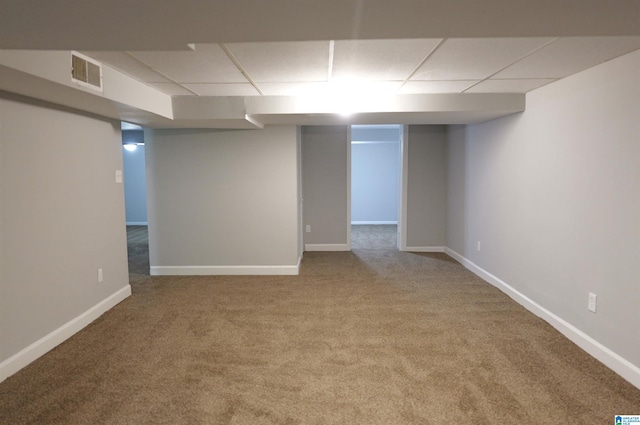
(118, 176)
(593, 299)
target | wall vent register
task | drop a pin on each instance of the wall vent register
(85, 71)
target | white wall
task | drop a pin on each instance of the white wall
(553, 195)
(375, 181)
(62, 218)
(135, 183)
(223, 201)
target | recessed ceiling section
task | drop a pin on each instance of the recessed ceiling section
(508, 86)
(293, 89)
(231, 89)
(216, 85)
(129, 65)
(283, 62)
(171, 89)
(207, 63)
(475, 58)
(363, 67)
(379, 59)
(567, 56)
(417, 87)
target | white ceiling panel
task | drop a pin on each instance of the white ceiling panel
(223, 89)
(292, 89)
(128, 65)
(208, 63)
(339, 88)
(305, 61)
(567, 56)
(475, 58)
(509, 86)
(379, 59)
(425, 87)
(171, 89)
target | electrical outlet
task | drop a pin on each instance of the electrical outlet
(478, 246)
(593, 299)
(308, 229)
(100, 277)
(118, 176)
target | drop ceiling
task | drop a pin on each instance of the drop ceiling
(410, 66)
(398, 51)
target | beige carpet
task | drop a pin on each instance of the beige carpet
(369, 337)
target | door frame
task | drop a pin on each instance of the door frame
(402, 185)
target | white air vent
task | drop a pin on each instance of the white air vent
(85, 71)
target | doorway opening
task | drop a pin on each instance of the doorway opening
(376, 186)
(135, 199)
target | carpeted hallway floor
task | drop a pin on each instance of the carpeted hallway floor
(378, 236)
(372, 336)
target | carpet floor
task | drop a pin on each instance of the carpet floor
(371, 336)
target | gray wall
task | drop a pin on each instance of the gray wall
(426, 186)
(375, 181)
(325, 151)
(553, 195)
(135, 185)
(456, 188)
(325, 175)
(222, 198)
(62, 219)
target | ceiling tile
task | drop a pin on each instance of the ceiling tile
(128, 65)
(475, 58)
(567, 56)
(283, 61)
(172, 89)
(334, 88)
(208, 63)
(426, 87)
(364, 88)
(509, 86)
(379, 59)
(245, 89)
(293, 89)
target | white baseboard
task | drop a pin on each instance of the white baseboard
(224, 270)
(137, 223)
(614, 361)
(327, 247)
(373, 222)
(45, 344)
(424, 249)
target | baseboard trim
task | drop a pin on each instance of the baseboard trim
(224, 270)
(424, 249)
(137, 223)
(609, 358)
(45, 344)
(327, 247)
(373, 222)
